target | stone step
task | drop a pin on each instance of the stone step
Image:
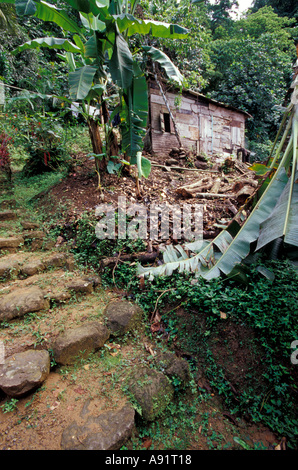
(7, 215)
(22, 296)
(24, 372)
(24, 264)
(11, 244)
(21, 301)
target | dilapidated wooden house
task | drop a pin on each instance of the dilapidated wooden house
(205, 126)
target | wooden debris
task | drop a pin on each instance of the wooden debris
(142, 257)
(244, 193)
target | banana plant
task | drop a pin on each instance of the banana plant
(100, 50)
(274, 214)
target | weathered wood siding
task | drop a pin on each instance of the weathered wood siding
(204, 127)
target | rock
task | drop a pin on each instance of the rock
(33, 235)
(24, 372)
(8, 215)
(201, 165)
(108, 430)
(34, 267)
(80, 285)
(175, 368)
(48, 244)
(122, 317)
(11, 242)
(59, 296)
(171, 161)
(22, 301)
(29, 225)
(9, 268)
(56, 260)
(35, 238)
(151, 391)
(81, 341)
(96, 280)
(70, 264)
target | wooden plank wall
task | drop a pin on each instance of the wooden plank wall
(204, 127)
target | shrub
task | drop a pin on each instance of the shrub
(5, 155)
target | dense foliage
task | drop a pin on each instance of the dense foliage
(243, 61)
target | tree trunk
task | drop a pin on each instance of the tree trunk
(100, 163)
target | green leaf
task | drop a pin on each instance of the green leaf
(25, 7)
(89, 6)
(92, 22)
(51, 43)
(80, 82)
(165, 62)
(275, 226)
(158, 29)
(133, 114)
(125, 21)
(47, 12)
(144, 165)
(121, 63)
(259, 169)
(96, 92)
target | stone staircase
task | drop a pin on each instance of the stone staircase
(54, 315)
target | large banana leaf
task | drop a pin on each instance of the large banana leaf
(46, 12)
(89, 6)
(80, 82)
(165, 62)
(127, 22)
(23, 7)
(51, 43)
(158, 29)
(121, 63)
(283, 221)
(133, 115)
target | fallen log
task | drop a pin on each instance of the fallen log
(244, 193)
(182, 168)
(216, 186)
(210, 195)
(143, 257)
(190, 190)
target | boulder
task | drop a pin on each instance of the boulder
(201, 165)
(56, 260)
(11, 242)
(80, 286)
(22, 301)
(79, 341)
(29, 225)
(150, 390)
(58, 297)
(35, 238)
(108, 430)
(24, 372)
(33, 235)
(9, 268)
(8, 215)
(122, 317)
(33, 267)
(175, 368)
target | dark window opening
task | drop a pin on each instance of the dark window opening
(167, 122)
